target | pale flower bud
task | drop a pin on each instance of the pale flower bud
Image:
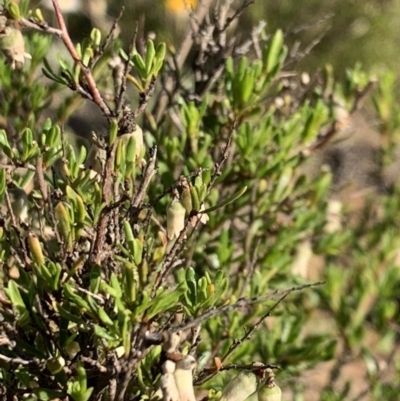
(95, 161)
(167, 384)
(175, 219)
(13, 47)
(137, 134)
(19, 203)
(240, 387)
(36, 250)
(184, 378)
(269, 391)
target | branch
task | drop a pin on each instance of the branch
(101, 228)
(254, 367)
(204, 375)
(20, 361)
(147, 176)
(242, 303)
(156, 338)
(218, 165)
(40, 26)
(181, 56)
(96, 96)
(121, 89)
(169, 261)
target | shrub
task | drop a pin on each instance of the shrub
(176, 231)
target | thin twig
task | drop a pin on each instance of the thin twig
(94, 363)
(101, 228)
(40, 178)
(40, 26)
(362, 95)
(168, 263)
(242, 303)
(157, 338)
(20, 361)
(236, 14)
(218, 165)
(95, 296)
(181, 57)
(310, 25)
(10, 210)
(247, 335)
(177, 185)
(147, 176)
(203, 376)
(107, 41)
(122, 88)
(234, 366)
(97, 98)
(146, 96)
(134, 359)
(250, 267)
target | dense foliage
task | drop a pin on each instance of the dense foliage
(187, 209)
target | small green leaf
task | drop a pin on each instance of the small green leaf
(15, 296)
(166, 300)
(2, 181)
(192, 286)
(115, 284)
(45, 394)
(103, 333)
(95, 279)
(150, 53)
(274, 49)
(104, 317)
(227, 201)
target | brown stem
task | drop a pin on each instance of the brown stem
(96, 96)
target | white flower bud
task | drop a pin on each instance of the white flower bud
(184, 378)
(269, 391)
(19, 203)
(175, 219)
(13, 47)
(240, 387)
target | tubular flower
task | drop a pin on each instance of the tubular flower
(175, 219)
(13, 47)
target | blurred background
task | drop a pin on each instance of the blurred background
(350, 30)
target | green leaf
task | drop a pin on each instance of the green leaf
(30, 349)
(192, 286)
(113, 131)
(104, 317)
(68, 315)
(139, 64)
(47, 394)
(95, 279)
(159, 58)
(2, 181)
(103, 333)
(86, 395)
(274, 49)
(166, 300)
(150, 54)
(15, 296)
(116, 285)
(109, 290)
(4, 145)
(227, 201)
